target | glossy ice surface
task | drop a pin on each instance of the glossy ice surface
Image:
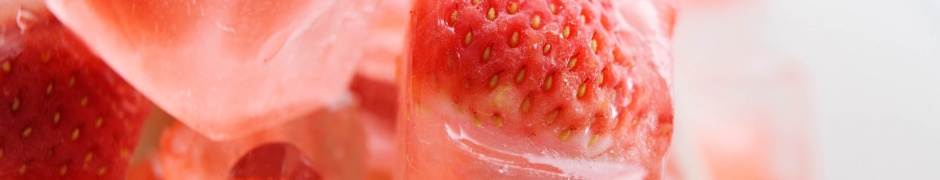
(330, 144)
(227, 68)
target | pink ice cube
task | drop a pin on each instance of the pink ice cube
(227, 68)
(330, 143)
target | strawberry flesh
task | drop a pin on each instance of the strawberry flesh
(65, 113)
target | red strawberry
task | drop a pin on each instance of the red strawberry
(530, 87)
(63, 113)
(274, 161)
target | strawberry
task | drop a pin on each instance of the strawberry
(578, 80)
(376, 96)
(63, 113)
(274, 161)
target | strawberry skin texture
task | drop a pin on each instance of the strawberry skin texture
(572, 76)
(64, 114)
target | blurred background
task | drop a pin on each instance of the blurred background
(807, 89)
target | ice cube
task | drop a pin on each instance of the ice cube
(227, 68)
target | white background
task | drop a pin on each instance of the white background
(876, 71)
(875, 77)
(872, 68)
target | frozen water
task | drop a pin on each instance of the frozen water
(227, 68)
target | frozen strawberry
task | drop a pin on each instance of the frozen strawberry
(375, 85)
(329, 144)
(274, 161)
(537, 89)
(227, 68)
(378, 97)
(63, 113)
